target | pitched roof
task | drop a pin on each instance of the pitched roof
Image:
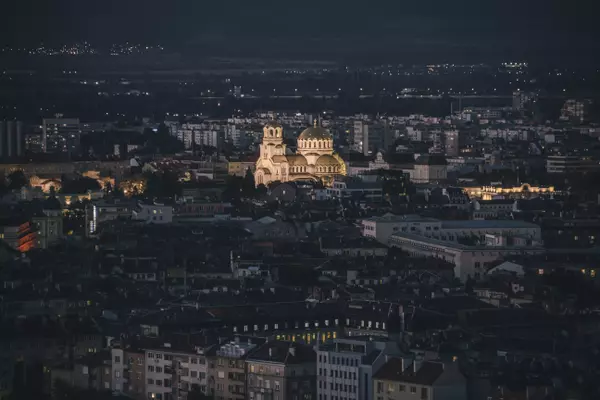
(393, 370)
(283, 352)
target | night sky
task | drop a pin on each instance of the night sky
(552, 29)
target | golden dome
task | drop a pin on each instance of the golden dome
(315, 132)
(327, 160)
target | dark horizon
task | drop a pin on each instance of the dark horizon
(436, 30)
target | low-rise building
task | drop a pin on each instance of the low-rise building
(470, 260)
(49, 223)
(18, 233)
(93, 371)
(101, 211)
(155, 213)
(429, 380)
(352, 188)
(381, 228)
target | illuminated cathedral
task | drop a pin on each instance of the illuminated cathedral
(314, 160)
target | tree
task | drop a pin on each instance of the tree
(163, 185)
(161, 141)
(196, 394)
(248, 186)
(80, 186)
(17, 180)
(261, 190)
(233, 188)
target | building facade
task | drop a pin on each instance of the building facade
(281, 370)
(61, 135)
(429, 380)
(345, 367)
(227, 372)
(315, 159)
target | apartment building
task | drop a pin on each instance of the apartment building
(280, 370)
(345, 367)
(129, 370)
(171, 371)
(227, 367)
(429, 380)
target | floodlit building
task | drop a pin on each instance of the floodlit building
(315, 159)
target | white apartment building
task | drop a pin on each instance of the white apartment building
(570, 164)
(469, 260)
(171, 372)
(382, 228)
(345, 367)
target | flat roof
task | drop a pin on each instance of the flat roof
(459, 246)
(482, 224)
(401, 218)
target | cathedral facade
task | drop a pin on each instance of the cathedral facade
(314, 160)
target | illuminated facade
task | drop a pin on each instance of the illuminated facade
(19, 235)
(489, 192)
(315, 159)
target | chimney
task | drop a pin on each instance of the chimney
(401, 314)
(417, 364)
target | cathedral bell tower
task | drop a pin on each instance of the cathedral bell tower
(272, 143)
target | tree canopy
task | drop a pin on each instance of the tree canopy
(16, 180)
(79, 185)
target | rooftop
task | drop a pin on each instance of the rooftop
(394, 370)
(401, 218)
(483, 224)
(283, 352)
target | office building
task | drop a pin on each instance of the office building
(61, 135)
(521, 100)
(452, 143)
(575, 110)
(563, 164)
(360, 137)
(346, 367)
